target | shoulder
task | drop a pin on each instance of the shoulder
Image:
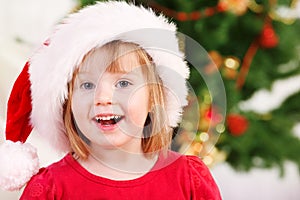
(193, 165)
(42, 185)
(197, 175)
(196, 164)
(199, 172)
(188, 162)
(202, 183)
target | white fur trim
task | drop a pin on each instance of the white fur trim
(19, 162)
(52, 66)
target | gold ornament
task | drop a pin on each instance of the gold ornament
(231, 65)
(214, 157)
(232, 62)
(194, 149)
(255, 7)
(215, 64)
(238, 7)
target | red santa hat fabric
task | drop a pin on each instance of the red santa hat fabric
(18, 127)
(18, 161)
(42, 88)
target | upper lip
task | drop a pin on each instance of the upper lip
(109, 116)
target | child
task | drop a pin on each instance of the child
(108, 87)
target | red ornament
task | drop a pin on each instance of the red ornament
(268, 37)
(237, 124)
(195, 15)
(182, 16)
(222, 6)
(209, 12)
(213, 116)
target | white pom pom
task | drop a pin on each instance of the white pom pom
(18, 163)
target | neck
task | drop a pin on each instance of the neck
(118, 164)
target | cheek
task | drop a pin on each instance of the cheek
(80, 105)
(138, 106)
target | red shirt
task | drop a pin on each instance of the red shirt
(172, 177)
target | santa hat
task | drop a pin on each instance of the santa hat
(40, 91)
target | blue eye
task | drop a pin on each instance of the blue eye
(87, 86)
(122, 84)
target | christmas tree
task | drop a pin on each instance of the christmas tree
(253, 44)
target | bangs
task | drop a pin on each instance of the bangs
(125, 57)
(117, 57)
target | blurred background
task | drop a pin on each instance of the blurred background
(253, 44)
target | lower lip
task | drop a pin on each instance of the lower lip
(107, 128)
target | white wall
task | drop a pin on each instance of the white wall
(258, 184)
(30, 22)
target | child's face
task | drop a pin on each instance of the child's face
(110, 109)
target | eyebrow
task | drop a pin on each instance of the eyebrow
(83, 74)
(135, 72)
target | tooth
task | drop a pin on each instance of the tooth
(114, 117)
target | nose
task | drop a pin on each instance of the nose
(103, 94)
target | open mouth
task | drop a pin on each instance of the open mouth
(108, 120)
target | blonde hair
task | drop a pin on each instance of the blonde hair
(157, 134)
